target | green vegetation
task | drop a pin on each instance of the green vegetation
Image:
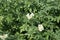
(13, 20)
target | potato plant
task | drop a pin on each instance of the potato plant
(17, 22)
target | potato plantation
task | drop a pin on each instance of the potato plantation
(29, 19)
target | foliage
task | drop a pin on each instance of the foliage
(13, 19)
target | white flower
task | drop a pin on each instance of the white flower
(3, 36)
(29, 16)
(40, 27)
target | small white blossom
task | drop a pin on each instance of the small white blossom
(29, 16)
(40, 27)
(4, 36)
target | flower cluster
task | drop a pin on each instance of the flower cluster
(3, 36)
(29, 16)
(40, 27)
